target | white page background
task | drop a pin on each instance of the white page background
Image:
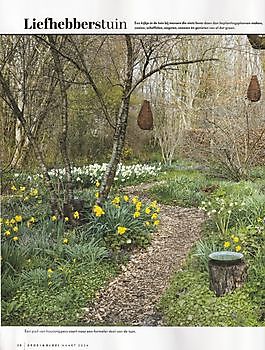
(149, 338)
(13, 12)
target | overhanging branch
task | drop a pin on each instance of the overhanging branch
(257, 41)
(165, 66)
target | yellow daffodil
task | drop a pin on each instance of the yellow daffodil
(26, 198)
(7, 233)
(22, 188)
(97, 195)
(97, 183)
(121, 230)
(238, 248)
(158, 210)
(156, 222)
(135, 200)
(116, 201)
(34, 192)
(136, 214)
(147, 210)
(15, 229)
(13, 188)
(126, 198)
(227, 244)
(153, 204)
(138, 206)
(15, 238)
(98, 211)
(65, 241)
(236, 239)
(53, 218)
(66, 219)
(12, 221)
(32, 220)
(76, 215)
(18, 218)
(50, 270)
(7, 222)
(147, 223)
(154, 216)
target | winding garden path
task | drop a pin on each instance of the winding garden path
(131, 298)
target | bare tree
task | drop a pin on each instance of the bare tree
(27, 70)
(69, 196)
(142, 57)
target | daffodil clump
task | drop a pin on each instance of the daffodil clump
(125, 221)
(222, 212)
(26, 194)
(12, 227)
(233, 244)
(90, 174)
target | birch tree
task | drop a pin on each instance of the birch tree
(141, 58)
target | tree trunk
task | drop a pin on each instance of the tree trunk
(64, 117)
(120, 128)
(226, 277)
(18, 115)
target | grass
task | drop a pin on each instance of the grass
(182, 188)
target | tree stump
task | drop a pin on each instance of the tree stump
(226, 276)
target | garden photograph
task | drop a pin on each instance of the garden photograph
(132, 180)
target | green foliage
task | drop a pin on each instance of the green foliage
(189, 302)
(202, 250)
(92, 252)
(125, 224)
(12, 257)
(183, 190)
(222, 211)
(55, 305)
(256, 287)
(236, 214)
(252, 237)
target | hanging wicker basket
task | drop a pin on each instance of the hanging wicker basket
(254, 92)
(145, 117)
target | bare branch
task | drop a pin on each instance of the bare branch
(166, 65)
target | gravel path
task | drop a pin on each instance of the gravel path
(131, 298)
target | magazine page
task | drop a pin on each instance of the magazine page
(132, 174)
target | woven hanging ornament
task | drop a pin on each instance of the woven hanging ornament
(145, 116)
(254, 92)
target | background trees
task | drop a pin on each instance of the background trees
(78, 94)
